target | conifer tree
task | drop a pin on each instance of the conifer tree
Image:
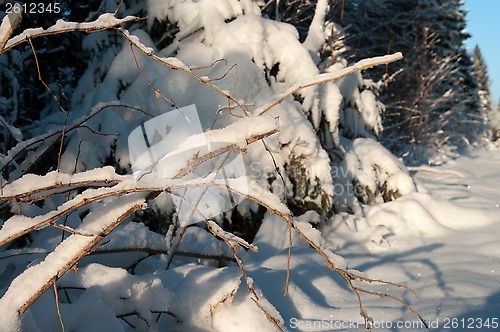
(480, 71)
(431, 97)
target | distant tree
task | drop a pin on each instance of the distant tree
(480, 71)
(494, 122)
(431, 96)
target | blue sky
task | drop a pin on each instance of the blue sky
(484, 24)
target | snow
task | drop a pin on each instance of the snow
(446, 250)
(15, 132)
(369, 162)
(316, 35)
(437, 233)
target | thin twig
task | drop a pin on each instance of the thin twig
(157, 92)
(225, 74)
(69, 230)
(135, 313)
(150, 251)
(62, 141)
(41, 79)
(117, 9)
(57, 305)
(40, 139)
(179, 321)
(268, 316)
(209, 66)
(171, 252)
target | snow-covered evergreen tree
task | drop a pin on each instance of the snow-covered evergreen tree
(480, 71)
(430, 97)
(494, 118)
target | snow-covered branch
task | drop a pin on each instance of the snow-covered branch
(327, 77)
(9, 24)
(105, 21)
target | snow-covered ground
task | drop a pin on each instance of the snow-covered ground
(441, 241)
(444, 244)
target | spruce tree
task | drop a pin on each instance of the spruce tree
(431, 96)
(480, 71)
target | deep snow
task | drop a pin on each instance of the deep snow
(442, 241)
(445, 244)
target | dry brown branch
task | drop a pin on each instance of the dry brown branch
(198, 160)
(179, 321)
(157, 92)
(149, 251)
(224, 300)
(209, 66)
(136, 314)
(117, 9)
(25, 197)
(69, 230)
(24, 254)
(225, 74)
(62, 141)
(171, 252)
(229, 108)
(288, 256)
(53, 217)
(57, 306)
(41, 79)
(268, 316)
